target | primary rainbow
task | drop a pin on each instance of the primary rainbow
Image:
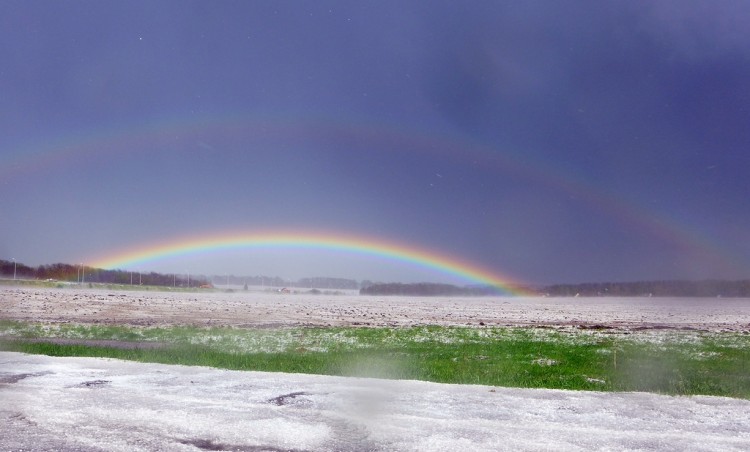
(306, 240)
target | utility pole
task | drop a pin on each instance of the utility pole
(83, 273)
(14, 269)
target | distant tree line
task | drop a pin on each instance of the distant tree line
(85, 274)
(427, 289)
(319, 282)
(670, 288)
(271, 281)
(327, 283)
(667, 288)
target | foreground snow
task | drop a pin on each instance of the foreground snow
(49, 403)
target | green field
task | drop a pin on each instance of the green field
(671, 362)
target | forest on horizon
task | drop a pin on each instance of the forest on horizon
(662, 288)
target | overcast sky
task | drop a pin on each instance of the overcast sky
(551, 141)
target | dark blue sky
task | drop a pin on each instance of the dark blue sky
(551, 141)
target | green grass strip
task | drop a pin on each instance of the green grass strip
(689, 363)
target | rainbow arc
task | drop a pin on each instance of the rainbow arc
(332, 241)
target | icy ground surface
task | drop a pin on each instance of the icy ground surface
(87, 404)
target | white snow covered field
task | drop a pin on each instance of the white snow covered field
(95, 404)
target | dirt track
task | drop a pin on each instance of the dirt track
(270, 309)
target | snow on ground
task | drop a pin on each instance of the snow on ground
(269, 309)
(90, 404)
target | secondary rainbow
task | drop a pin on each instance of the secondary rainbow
(324, 241)
(127, 139)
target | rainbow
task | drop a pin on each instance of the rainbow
(140, 136)
(368, 246)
